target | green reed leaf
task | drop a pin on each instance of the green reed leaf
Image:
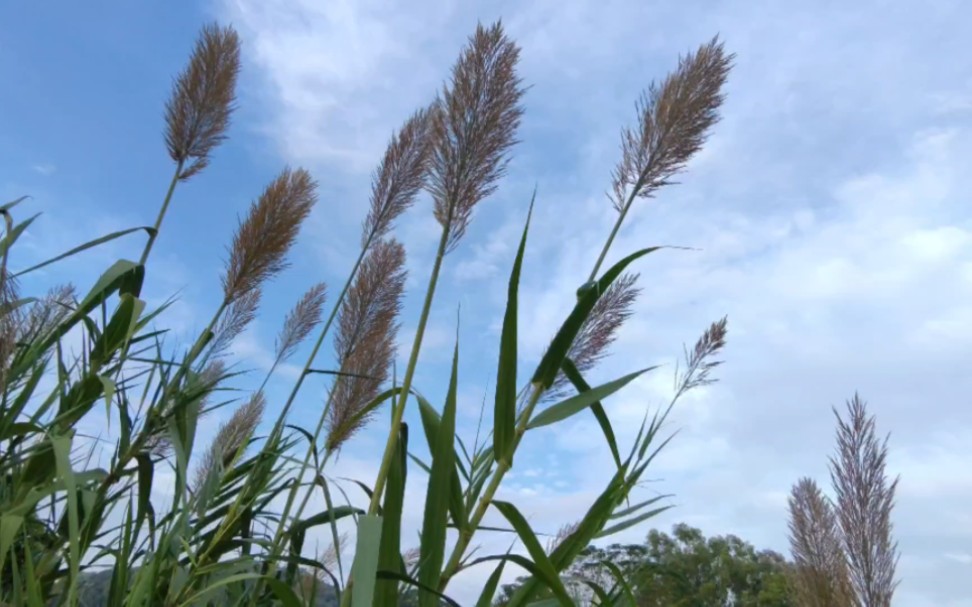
(489, 589)
(573, 374)
(364, 570)
(434, 524)
(576, 404)
(10, 238)
(88, 245)
(62, 454)
(588, 295)
(504, 410)
(548, 574)
(390, 558)
(430, 424)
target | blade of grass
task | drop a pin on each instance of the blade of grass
(572, 373)
(364, 570)
(434, 524)
(504, 411)
(548, 574)
(83, 247)
(576, 404)
(389, 558)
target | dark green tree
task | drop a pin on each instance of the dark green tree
(684, 569)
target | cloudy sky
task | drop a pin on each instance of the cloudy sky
(829, 213)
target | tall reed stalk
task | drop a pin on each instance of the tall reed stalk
(221, 539)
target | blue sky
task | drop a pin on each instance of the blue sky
(830, 209)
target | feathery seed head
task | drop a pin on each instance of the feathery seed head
(365, 344)
(262, 241)
(474, 127)
(865, 500)
(563, 533)
(197, 114)
(819, 576)
(673, 122)
(299, 322)
(699, 361)
(400, 175)
(234, 321)
(232, 436)
(47, 313)
(600, 330)
(11, 321)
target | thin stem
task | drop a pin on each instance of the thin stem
(162, 211)
(399, 410)
(614, 231)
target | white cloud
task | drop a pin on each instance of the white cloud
(44, 169)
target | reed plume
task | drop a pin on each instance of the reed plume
(329, 556)
(599, 330)
(473, 128)
(201, 388)
(239, 314)
(819, 576)
(673, 123)
(563, 533)
(232, 436)
(262, 241)
(11, 321)
(864, 500)
(47, 313)
(698, 361)
(411, 557)
(197, 114)
(400, 175)
(211, 375)
(365, 343)
(300, 321)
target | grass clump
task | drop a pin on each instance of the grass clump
(235, 530)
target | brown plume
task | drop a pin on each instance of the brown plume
(819, 576)
(11, 320)
(864, 500)
(47, 313)
(197, 114)
(232, 436)
(365, 343)
(301, 320)
(673, 123)
(474, 127)
(698, 362)
(600, 329)
(201, 386)
(400, 175)
(234, 321)
(262, 241)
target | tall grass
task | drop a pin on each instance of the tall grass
(843, 549)
(235, 530)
